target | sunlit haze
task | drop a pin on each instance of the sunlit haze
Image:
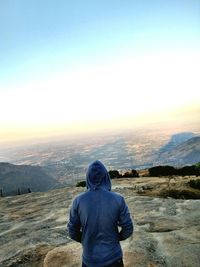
(71, 67)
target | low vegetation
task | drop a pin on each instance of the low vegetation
(194, 183)
(81, 184)
(170, 170)
(162, 171)
(114, 174)
(180, 194)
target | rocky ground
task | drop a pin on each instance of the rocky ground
(167, 230)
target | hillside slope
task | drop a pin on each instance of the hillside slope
(185, 153)
(175, 140)
(23, 177)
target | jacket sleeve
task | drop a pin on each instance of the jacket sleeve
(125, 222)
(74, 224)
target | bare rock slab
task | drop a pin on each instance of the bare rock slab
(33, 229)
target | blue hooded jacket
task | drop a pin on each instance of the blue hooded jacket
(95, 216)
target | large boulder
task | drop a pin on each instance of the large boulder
(64, 256)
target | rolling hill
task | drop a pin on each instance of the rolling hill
(175, 140)
(16, 179)
(185, 153)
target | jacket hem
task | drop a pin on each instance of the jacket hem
(113, 257)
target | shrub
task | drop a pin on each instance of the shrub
(197, 165)
(133, 173)
(81, 184)
(162, 171)
(170, 170)
(188, 170)
(194, 183)
(114, 174)
(198, 168)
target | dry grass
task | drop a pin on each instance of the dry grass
(175, 186)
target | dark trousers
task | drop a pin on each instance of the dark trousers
(118, 263)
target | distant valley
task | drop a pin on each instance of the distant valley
(67, 161)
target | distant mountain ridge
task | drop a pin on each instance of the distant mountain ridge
(21, 177)
(185, 153)
(175, 140)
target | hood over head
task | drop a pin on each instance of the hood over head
(97, 176)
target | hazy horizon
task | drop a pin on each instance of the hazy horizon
(78, 68)
(63, 137)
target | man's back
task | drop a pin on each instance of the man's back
(95, 216)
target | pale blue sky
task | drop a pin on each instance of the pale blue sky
(67, 64)
(42, 36)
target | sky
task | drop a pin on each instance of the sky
(69, 67)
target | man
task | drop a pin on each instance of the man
(95, 216)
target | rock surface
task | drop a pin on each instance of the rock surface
(68, 255)
(167, 231)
